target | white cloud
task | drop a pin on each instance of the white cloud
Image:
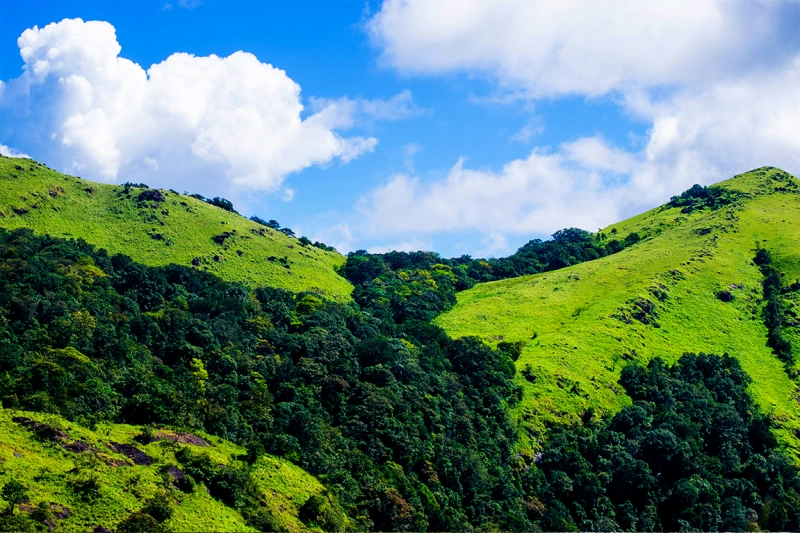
(574, 46)
(340, 236)
(539, 194)
(351, 111)
(717, 80)
(696, 137)
(533, 128)
(10, 152)
(409, 151)
(187, 119)
(189, 4)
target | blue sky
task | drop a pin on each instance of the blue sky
(463, 127)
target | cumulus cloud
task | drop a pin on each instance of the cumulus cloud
(545, 191)
(716, 80)
(573, 46)
(230, 119)
(696, 137)
(10, 152)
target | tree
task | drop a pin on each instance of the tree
(222, 203)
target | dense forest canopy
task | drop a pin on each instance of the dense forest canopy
(689, 454)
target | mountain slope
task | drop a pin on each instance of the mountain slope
(173, 228)
(660, 298)
(46, 460)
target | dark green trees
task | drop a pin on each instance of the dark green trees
(689, 454)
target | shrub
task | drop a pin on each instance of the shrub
(158, 507)
(139, 522)
(222, 203)
(17, 524)
(321, 511)
(14, 492)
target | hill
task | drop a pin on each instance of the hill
(96, 478)
(163, 227)
(690, 285)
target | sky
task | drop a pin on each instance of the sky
(459, 126)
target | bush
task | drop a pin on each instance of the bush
(146, 436)
(86, 486)
(158, 507)
(222, 203)
(261, 519)
(139, 522)
(186, 484)
(14, 492)
(321, 511)
(17, 524)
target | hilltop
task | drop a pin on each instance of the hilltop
(162, 227)
(689, 285)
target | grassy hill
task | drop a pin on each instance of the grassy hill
(659, 298)
(173, 229)
(48, 462)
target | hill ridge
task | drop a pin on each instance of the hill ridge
(163, 227)
(659, 297)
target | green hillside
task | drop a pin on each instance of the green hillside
(581, 325)
(56, 460)
(178, 229)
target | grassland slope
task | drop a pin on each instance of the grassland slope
(163, 228)
(51, 469)
(659, 298)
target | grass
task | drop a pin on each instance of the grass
(46, 468)
(579, 324)
(180, 230)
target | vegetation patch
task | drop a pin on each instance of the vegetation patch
(688, 454)
(699, 197)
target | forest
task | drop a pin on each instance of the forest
(407, 428)
(420, 285)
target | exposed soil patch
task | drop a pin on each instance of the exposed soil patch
(77, 447)
(183, 438)
(60, 512)
(175, 472)
(43, 431)
(114, 462)
(133, 453)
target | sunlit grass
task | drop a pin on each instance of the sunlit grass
(46, 469)
(576, 345)
(179, 230)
